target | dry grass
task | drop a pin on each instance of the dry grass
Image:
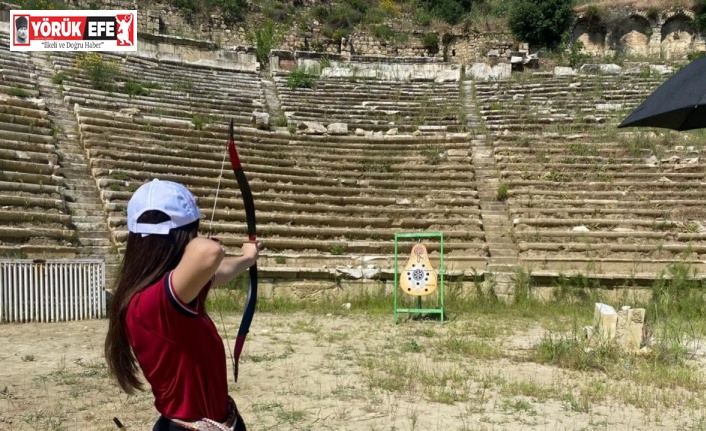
(353, 370)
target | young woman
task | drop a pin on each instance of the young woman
(158, 323)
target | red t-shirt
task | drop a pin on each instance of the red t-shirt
(180, 352)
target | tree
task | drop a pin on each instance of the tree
(541, 22)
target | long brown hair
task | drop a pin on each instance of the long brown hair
(146, 260)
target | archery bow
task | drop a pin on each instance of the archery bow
(249, 205)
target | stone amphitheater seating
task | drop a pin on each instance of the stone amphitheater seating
(321, 201)
(580, 197)
(15, 70)
(32, 194)
(374, 105)
(181, 90)
(567, 103)
(587, 199)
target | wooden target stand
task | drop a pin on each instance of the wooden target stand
(418, 278)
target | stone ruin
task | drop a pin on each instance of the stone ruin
(625, 326)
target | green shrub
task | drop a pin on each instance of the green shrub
(135, 88)
(299, 78)
(503, 192)
(199, 121)
(576, 55)
(679, 292)
(700, 14)
(541, 22)
(431, 42)
(423, 18)
(102, 73)
(265, 37)
(693, 55)
(59, 78)
(338, 249)
(340, 19)
(232, 10)
(375, 15)
(652, 13)
(280, 122)
(383, 32)
(277, 11)
(595, 19)
(450, 11)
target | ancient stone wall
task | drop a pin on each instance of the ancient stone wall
(667, 34)
(157, 18)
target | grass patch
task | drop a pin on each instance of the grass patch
(299, 78)
(200, 121)
(503, 192)
(468, 348)
(663, 365)
(60, 77)
(138, 88)
(16, 92)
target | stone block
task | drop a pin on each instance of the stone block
(485, 72)
(337, 129)
(629, 324)
(605, 320)
(564, 71)
(601, 69)
(261, 120)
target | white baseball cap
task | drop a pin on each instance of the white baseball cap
(171, 198)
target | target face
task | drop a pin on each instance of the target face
(419, 277)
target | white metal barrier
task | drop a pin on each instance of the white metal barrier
(51, 290)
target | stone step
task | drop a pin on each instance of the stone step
(83, 192)
(493, 208)
(108, 252)
(76, 167)
(80, 195)
(75, 172)
(499, 248)
(502, 270)
(71, 156)
(105, 242)
(94, 235)
(88, 208)
(503, 261)
(486, 172)
(495, 217)
(500, 239)
(83, 186)
(90, 228)
(77, 214)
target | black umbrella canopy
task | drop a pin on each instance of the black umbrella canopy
(678, 104)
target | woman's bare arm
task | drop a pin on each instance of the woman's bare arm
(201, 259)
(231, 267)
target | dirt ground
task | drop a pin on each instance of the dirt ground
(344, 372)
